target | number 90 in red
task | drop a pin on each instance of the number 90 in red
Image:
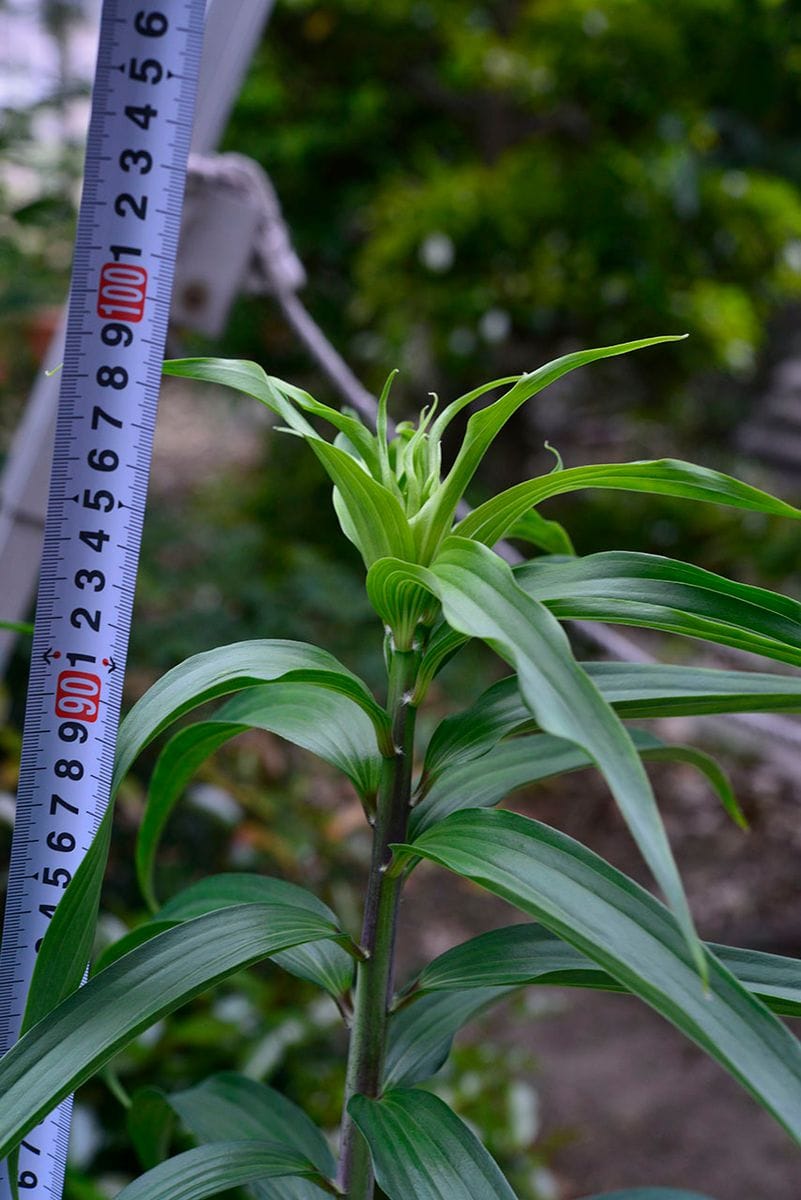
(78, 696)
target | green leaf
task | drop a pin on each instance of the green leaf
(628, 933)
(281, 398)
(137, 936)
(24, 627)
(649, 1194)
(655, 690)
(421, 1149)
(376, 522)
(547, 535)
(230, 669)
(150, 1122)
(323, 963)
(455, 407)
(660, 593)
(174, 768)
(214, 1168)
(709, 767)
(400, 602)
(350, 427)
(87, 1029)
(520, 955)
(442, 645)
(67, 945)
(485, 781)
(480, 598)
(491, 521)
(420, 1035)
(329, 725)
(636, 690)
(241, 376)
(229, 1105)
(433, 521)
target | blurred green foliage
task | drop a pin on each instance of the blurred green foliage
(468, 181)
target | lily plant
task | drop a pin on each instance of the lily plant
(436, 581)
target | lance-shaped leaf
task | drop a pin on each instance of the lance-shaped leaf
(433, 521)
(24, 627)
(229, 1105)
(67, 946)
(230, 669)
(323, 963)
(376, 522)
(328, 724)
(659, 690)
(491, 521)
(519, 955)
(442, 645)
(484, 782)
(420, 1148)
(452, 409)
(480, 598)
(281, 398)
(628, 933)
(87, 1029)
(546, 535)
(421, 1035)
(649, 1193)
(216, 1167)
(636, 690)
(401, 603)
(660, 593)
(150, 1122)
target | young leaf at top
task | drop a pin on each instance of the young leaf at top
(283, 399)
(547, 535)
(492, 520)
(433, 521)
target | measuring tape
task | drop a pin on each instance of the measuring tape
(139, 136)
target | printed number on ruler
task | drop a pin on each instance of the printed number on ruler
(128, 227)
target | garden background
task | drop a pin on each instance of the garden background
(473, 188)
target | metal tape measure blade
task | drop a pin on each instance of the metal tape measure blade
(140, 130)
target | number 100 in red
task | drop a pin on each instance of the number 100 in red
(121, 296)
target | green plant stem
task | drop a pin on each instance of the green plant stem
(374, 977)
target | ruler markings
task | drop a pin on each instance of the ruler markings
(116, 327)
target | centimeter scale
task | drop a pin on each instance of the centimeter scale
(139, 136)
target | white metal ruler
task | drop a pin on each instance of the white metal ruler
(139, 136)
